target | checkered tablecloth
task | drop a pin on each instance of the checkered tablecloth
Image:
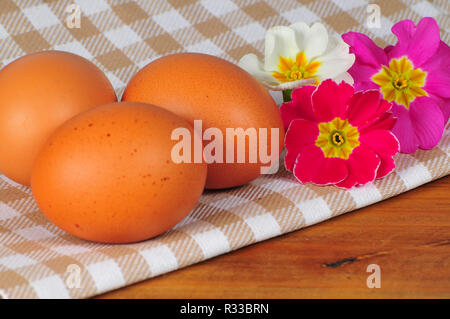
(37, 260)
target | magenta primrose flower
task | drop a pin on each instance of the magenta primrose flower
(414, 75)
(336, 136)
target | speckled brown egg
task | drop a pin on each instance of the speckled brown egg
(39, 92)
(107, 175)
(220, 94)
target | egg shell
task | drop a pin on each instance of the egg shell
(39, 92)
(203, 87)
(107, 174)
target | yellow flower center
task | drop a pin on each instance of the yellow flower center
(400, 82)
(300, 69)
(337, 138)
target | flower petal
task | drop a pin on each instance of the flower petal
(427, 121)
(437, 82)
(362, 76)
(300, 133)
(362, 166)
(438, 72)
(290, 159)
(388, 49)
(330, 100)
(255, 67)
(300, 107)
(386, 167)
(384, 122)
(419, 43)
(346, 77)
(445, 108)
(404, 130)
(404, 30)
(381, 141)
(312, 40)
(386, 145)
(280, 42)
(363, 107)
(367, 110)
(336, 60)
(312, 166)
(366, 51)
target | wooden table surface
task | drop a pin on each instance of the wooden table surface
(407, 236)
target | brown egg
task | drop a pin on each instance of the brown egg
(107, 174)
(221, 95)
(38, 93)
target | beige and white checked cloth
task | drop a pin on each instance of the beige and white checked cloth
(38, 260)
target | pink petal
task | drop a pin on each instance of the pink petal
(289, 160)
(388, 49)
(445, 108)
(362, 75)
(383, 107)
(427, 121)
(437, 82)
(363, 107)
(330, 100)
(404, 130)
(386, 167)
(381, 141)
(299, 107)
(362, 166)
(404, 30)
(312, 166)
(386, 145)
(438, 72)
(425, 42)
(418, 44)
(384, 122)
(300, 133)
(367, 110)
(438, 86)
(365, 50)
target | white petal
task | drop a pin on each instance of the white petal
(280, 41)
(346, 77)
(313, 41)
(335, 61)
(255, 67)
(301, 31)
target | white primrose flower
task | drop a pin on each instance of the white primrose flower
(300, 55)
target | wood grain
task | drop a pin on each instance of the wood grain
(407, 236)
